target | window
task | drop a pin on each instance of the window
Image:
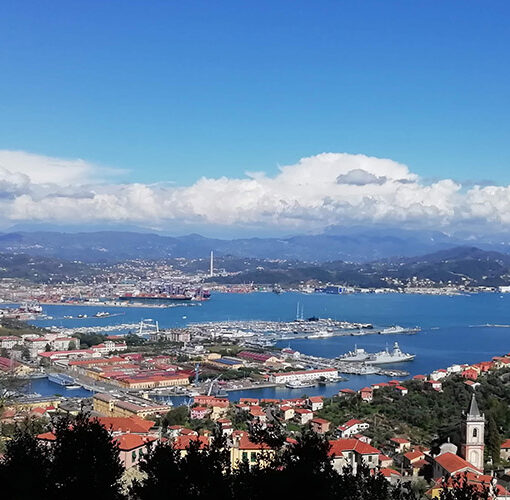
(245, 455)
(475, 432)
(253, 457)
(133, 455)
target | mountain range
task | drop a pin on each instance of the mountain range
(348, 245)
(469, 266)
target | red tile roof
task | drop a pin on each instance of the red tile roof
(128, 442)
(389, 472)
(413, 455)
(351, 422)
(129, 424)
(340, 445)
(246, 444)
(453, 463)
(183, 442)
(47, 436)
(400, 440)
(321, 421)
(316, 399)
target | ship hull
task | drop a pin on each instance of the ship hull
(141, 298)
(389, 361)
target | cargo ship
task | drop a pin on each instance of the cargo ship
(155, 296)
(167, 292)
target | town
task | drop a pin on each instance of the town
(132, 380)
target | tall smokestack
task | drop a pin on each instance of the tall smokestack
(211, 269)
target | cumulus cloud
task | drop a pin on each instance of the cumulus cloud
(42, 169)
(316, 192)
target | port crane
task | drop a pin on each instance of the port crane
(212, 385)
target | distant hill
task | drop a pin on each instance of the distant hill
(43, 269)
(353, 245)
(461, 265)
(468, 265)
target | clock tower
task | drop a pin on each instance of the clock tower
(473, 430)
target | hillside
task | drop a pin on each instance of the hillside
(43, 269)
(349, 245)
(461, 265)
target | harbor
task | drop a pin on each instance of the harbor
(455, 340)
(267, 333)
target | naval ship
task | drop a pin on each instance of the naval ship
(378, 358)
(387, 356)
(355, 355)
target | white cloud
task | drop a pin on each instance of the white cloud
(318, 191)
(42, 169)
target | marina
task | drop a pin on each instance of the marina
(267, 333)
(444, 339)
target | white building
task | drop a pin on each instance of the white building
(9, 341)
(352, 427)
(109, 346)
(302, 376)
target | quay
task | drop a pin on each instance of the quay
(96, 329)
(92, 303)
(264, 333)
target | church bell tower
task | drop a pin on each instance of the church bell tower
(473, 430)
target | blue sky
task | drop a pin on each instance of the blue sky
(176, 90)
(169, 92)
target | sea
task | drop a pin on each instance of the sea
(455, 329)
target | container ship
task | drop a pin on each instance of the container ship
(165, 293)
(155, 296)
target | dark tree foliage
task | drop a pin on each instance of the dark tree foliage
(25, 466)
(461, 490)
(90, 339)
(85, 461)
(203, 472)
(301, 469)
(176, 416)
(161, 468)
(493, 440)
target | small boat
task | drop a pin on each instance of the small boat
(298, 384)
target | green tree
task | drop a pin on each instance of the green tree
(493, 440)
(24, 468)
(85, 461)
(461, 490)
(25, 353)
(176, 416)
(162, 475)
(203, 472)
